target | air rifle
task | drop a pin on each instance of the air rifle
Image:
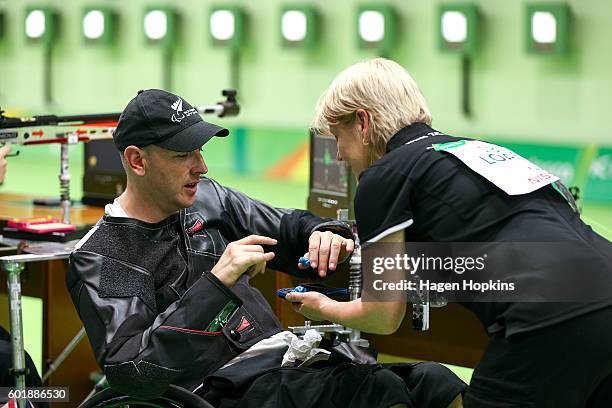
(71, 129)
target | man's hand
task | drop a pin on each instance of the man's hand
(242, 255)
(4, 150)
(325, 250)
(311, 305)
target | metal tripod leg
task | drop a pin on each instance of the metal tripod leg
(13, 279)
(54, 365)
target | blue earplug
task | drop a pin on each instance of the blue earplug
(304, 261)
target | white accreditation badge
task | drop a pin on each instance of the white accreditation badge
(507, 170)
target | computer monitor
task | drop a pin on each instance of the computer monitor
(103, 178)
(332, 185)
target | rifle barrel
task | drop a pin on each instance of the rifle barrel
(92, 118)
(50, 120)
(229, 107)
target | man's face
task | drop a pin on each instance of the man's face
(172, 177)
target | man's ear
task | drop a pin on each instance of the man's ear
(135, 158)
(363, 123)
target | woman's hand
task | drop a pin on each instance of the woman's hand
(325, 250)
(311, 305)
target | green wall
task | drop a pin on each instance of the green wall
(515, 95)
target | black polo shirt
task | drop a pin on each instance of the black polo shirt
(435, 197)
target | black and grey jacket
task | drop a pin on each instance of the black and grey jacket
(155, 318)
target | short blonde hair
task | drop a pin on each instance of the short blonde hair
(381, 87)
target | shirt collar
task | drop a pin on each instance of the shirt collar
(114, 209)
(407, 134)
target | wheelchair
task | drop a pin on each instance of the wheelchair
(174, 397)
(178, 397)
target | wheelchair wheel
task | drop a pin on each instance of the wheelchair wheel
(174, 397)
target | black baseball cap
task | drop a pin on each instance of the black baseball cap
(161, 118)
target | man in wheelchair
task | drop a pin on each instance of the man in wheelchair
(161, 283)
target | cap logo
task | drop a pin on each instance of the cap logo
(178, 115)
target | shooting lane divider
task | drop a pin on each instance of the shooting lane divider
(241, 163)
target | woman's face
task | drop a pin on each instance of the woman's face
(352, 142)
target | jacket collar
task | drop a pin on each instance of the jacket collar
(147, 225)
(409, 133)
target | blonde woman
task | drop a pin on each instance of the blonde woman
(540, 354)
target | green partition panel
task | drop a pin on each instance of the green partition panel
(599, 178)
(562, 161)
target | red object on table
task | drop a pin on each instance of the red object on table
(40, 225)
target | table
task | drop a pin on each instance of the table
(47, 266)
